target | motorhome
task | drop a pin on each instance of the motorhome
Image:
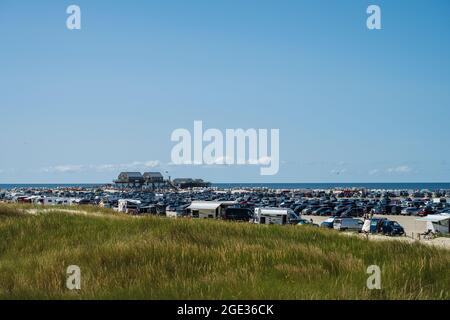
(48, 201)
(209, 209)
(269, 215)
(129, 206)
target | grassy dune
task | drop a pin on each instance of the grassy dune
(159, 258)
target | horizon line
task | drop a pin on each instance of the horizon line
(347, 182)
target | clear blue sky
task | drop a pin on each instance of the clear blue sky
(352, 105)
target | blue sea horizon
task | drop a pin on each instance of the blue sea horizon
(311, 185)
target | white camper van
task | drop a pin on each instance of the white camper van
(130, 206)
(274, 216)
(209, 209)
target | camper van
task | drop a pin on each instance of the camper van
(348, 224)
(129, 206)
(209, 209)
(275, 216)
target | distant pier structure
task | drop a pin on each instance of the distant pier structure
(155, 180)
(137, 180)
(185, 183)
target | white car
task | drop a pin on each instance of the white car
(410, 211)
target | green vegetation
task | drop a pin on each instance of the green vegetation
(160, 258)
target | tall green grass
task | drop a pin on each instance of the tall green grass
(160, 258)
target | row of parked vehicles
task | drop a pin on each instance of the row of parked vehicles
(377, 225)
(358, 208)
(283, 216)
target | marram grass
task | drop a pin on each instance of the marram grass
(159, 258)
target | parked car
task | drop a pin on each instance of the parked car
(324, 211)
(386, 227)
(238, 214)
(309, 210)
(302, 222)
(319, 211)
(298, 208)
(412, 211)
(348, 224)
(353, 212)
(392, 209)
(425, 211)
(328, 223)
(378, 210)
(393, 228)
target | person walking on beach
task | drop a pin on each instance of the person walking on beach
(366, 226)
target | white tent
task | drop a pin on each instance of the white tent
(437, 222)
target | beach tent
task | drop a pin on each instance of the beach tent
(437, 222)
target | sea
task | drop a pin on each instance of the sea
(375, 186)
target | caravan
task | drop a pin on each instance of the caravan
(267, 215)
(129, 206)
(209, 209)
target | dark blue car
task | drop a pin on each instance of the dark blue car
(386, 227)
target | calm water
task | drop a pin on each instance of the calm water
(387, 186)
(49, 185)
